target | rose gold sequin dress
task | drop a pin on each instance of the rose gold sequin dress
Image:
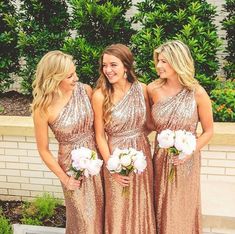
(178, 209)
(74, 128)
(133, 214)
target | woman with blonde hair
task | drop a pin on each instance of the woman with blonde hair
(121, 110)
(63, 104)
(178, 102)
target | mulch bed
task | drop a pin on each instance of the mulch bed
(13, 211)
(15, 104)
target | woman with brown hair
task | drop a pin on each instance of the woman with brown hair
(121, 110)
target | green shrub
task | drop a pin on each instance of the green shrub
(9, 54)
(229, 26)
(223, 101)
(39, 209)
(44, 26)
(188, 20)
(97, 24)
(5, 226)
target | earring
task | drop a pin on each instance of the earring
(125, 75)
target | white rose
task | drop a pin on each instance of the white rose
(83, 163)
(74, 155)
(117, 152)
(82, 152)
(113, 164)
(94, 166)
(140, 164)
(85, 152)
(125, 160)
(76, 165)
(138, 155)
(180, 138)
(132, 151)
(185, 142)
(166, 138)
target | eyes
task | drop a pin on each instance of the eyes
(112, 65)
(162, 60)
(71, 75)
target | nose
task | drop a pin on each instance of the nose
(108, 69)
(158, 65)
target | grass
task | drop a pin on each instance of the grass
(40, 209)
(5, 226)
(1, 109)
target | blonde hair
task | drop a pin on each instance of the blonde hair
(179, 57)
(123, 53)
(53, 67)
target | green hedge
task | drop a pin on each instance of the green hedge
(229, 26)
(191, 21)
(97, 24)
(9, 53)
(44, 26)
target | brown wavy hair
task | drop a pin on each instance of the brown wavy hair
(123, 53)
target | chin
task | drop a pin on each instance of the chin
(112, 81)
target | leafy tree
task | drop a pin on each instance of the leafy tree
(44, 26)
(190, 21)
(229, 25)
(9, 54)
(97, 24)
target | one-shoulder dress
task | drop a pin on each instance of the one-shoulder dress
(74, 128)
(177, 202)
(133, 214)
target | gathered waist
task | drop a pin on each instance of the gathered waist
(128, 133)
(77, 138)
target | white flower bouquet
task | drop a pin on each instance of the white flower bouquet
(85, 162)
(125, 161)
(180, 142)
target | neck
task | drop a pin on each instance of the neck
(174, 83)
(122, 86)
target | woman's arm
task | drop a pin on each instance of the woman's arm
(97, 103)
(42, 139)
(88, 90)
(149, 121)
(205, 117)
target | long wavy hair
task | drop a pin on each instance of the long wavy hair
(179, 57)
(53, 67)
(123, 53)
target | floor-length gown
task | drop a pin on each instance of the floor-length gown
(74, 128)
(177, 202)
(133, 214)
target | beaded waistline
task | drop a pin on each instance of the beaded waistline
(75, 139)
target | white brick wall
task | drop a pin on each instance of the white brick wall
(218, 163)
(23, 174)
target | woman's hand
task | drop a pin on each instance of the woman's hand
(73, 184)
(122, 180)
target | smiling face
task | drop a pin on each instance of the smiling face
(164, 69)
(113, 68)
(69, 82)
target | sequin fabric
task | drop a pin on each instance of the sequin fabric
(74, 128)
(132, 214)
(178, 207)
